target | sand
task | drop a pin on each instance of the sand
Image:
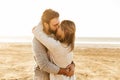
(92, 63)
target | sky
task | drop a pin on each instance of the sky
(93, 18)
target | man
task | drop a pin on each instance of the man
(50, 18)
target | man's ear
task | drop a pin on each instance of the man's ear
(45, 24)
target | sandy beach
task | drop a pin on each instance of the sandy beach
(92, 63)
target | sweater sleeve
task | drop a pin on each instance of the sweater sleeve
(42, 58)
(53, 45)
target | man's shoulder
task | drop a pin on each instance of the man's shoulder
(37, 43)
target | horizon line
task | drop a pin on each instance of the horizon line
(76, 37)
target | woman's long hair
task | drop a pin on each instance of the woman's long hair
(69, 30)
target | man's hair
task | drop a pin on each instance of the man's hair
(69, 30)
(48, 15)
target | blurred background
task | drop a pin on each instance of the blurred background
(94, 19)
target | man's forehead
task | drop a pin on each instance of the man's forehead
(55, 21)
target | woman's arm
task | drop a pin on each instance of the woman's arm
(53, 45)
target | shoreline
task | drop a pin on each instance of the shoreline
(77, 44)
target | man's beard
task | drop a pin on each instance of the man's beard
(52, 31)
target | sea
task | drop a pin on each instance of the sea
(107, 42)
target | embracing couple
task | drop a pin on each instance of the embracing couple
(53, 45)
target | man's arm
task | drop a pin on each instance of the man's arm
(42, 58)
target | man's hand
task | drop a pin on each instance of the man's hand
(68, 71)
(63, 71)
(71, 69)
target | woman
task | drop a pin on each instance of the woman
(61, 48)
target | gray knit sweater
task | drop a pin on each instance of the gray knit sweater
(43, 65)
